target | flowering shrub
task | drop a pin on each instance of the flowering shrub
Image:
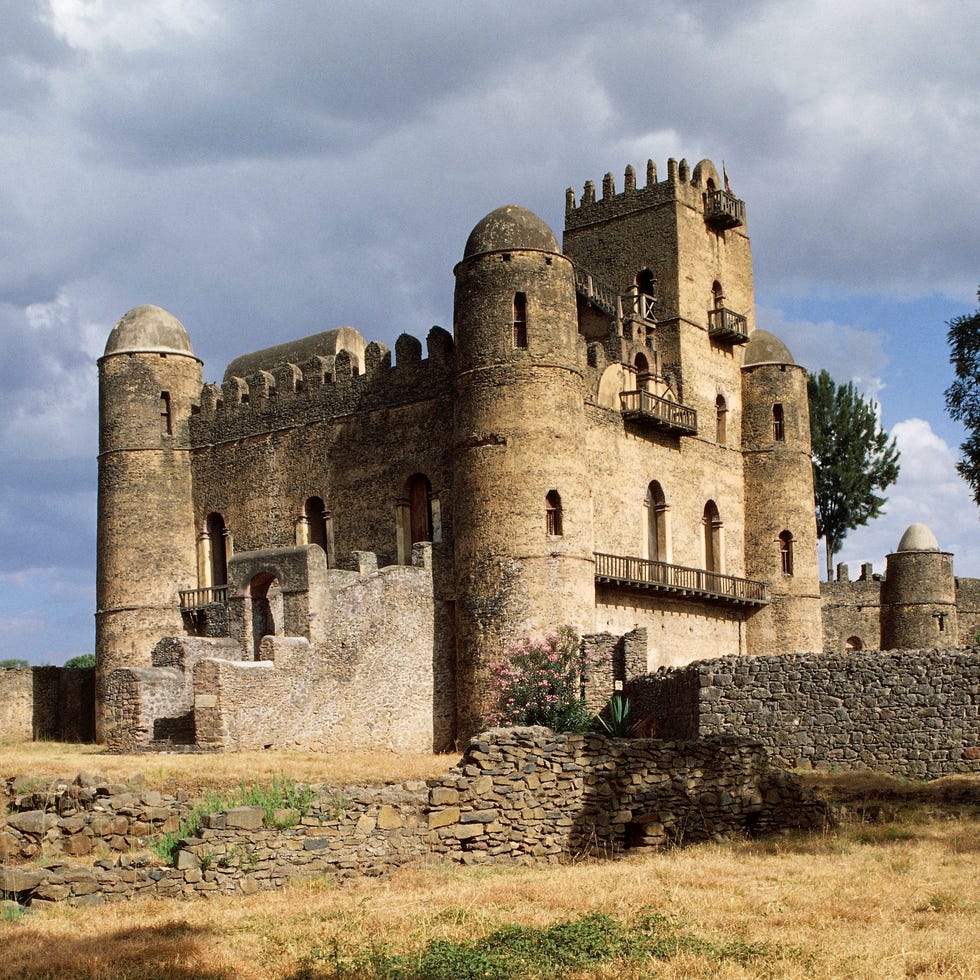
(539, 682)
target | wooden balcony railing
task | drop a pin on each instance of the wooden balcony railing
(681, 582)
(722, 209)
(728, 326)
(659, 413)
(199, 598)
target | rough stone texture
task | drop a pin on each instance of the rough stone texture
(917, 603)
(914, 713)
(516, 796)
(47, 702)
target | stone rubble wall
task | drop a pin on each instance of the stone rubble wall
(517, 796)
(914, 713)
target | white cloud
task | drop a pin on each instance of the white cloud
(928, 491)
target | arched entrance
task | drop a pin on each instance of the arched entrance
(265, 608)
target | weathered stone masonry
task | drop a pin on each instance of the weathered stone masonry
(516, 796)
(910, 712)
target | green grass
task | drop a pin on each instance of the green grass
(516, 952)
(281, 794)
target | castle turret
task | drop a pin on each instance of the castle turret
(780, 522)
(522, 509)
(148, 380)
(918, 596)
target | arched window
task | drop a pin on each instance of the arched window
(553, 516)
(265, 609)
(853, 643)
(642, 366)
(778, 428)
(166, 422)
(717, 295)
(217, 539)
(721, 420)
(657, 520)
(786, 552)
(645, 282)
(520, 320)
(713, 556)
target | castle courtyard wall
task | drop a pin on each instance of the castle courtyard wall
(47, 703)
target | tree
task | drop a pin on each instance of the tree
(963, 395)
(853, 459)
(12, 664)
(82, 660)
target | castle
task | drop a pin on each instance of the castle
(330, 547)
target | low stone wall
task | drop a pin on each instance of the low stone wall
(47, 702)
(516, 796)
(913, 713)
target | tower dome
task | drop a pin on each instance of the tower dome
(510, 227)
(149, 329)
(766, 348)
(918, 537)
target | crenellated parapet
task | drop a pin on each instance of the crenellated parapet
(348, 379)
(701, 188)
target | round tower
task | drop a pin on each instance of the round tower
(148, 380)
(918, 596)
(780, 519)
(522, 507)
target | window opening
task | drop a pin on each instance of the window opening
(420, 507)
(786, 552)
(778, 427)
(717, 295)
(721, 420)
(553, 516)
(712, 537)
(217, 539)
(166, 423)
(854, 643)
(520, 320)
(657, 529)
(317, 522)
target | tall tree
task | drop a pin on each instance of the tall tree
(963, 395)
(853, 460)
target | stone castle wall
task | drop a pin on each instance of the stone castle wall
(914, 713)
(47, 703)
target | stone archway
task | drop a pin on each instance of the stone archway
(264, 609)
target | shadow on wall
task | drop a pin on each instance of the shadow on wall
(63, 703)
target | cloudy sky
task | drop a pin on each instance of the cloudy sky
(266, 170)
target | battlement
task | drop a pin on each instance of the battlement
(323, 386)
(701, 188)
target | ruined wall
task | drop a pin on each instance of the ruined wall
(517, 796)
(47, 703)
(851, 610)
(368, 685)
(914, 713)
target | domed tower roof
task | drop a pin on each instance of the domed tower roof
(766, 348)
(510, 227)
(918, 537)
(149, 329)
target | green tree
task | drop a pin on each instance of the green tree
(853, 459)
(82, 660)
(13, 663)
(963, 395)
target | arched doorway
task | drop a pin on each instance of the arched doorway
(713, 557)
(217, 535)
(265, 608)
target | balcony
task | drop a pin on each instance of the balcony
(193, 599)
(658, 413)
(728, 327)
(696, 584)
(722, 210)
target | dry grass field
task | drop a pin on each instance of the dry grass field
(897, 897)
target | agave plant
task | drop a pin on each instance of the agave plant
(615, 719)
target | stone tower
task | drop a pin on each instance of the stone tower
(683, 243)
(148, 380)
(522, 508)
(918, 596)
(780, 523)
